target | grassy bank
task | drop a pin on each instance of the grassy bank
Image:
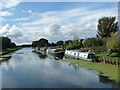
(105, 69)
(8, 50)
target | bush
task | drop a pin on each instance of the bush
(84, 49)
(92, 42)
(114, 42)
(95, 49)
(114, 54)
(99, 49)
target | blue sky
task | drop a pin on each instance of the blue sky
(24, 22)
(42, 7)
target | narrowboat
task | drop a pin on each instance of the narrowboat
(55, 53)
(81, 55)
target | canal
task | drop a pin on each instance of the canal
(27, 69)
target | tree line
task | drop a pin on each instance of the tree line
(5, 43)
(107, 39)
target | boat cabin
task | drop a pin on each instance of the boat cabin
(80, 55)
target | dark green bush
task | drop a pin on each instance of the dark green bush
(114, 54)
(99, 49)
(92, 42)
(84, 50)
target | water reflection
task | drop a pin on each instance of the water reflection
(28, 70)
(105, 79)
(42, 55)
(75, 66)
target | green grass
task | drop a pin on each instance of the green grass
(108, 70)
(104, 56)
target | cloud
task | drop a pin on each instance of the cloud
(5, 13)
(19, 19)
(69, 16)
(58, 25)
(42, 21)
(7, 4)
(11, 31)
(54, 29)
(63, 25)
(27, 11)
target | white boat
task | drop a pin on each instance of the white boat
(56, 54)
(80, 55)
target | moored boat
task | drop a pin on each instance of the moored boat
(57, 54)
(81, 55)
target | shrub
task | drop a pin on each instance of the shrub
(99, 49)
(114, 54)
(84, 49)
(114, 42)
(92, 42)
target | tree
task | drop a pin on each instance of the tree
(73, 44)
(114, 42)
(34, 43)
(70, 45)
(76, 44)
(91, 42)
(42, 42)
(66, 42)
(6, 43)
(106, 26)
(81, 42)
(13, 44)
(52, 44)
(60, 43)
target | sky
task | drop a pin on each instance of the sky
(25, 22)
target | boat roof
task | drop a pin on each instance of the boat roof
(81, 52)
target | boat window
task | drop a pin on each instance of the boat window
(91, 56)
(74, 53)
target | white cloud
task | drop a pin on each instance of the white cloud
(19, 19)
(63, 25)
(11, 31)
(54, 29)
(43, 21)
(58, 25)
(4, 29)
(78, 15)
(5, 13)
(5, 4)
(28, 11)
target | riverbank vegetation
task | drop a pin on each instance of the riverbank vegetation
(5, 43)
(9, 50)
(7, 46)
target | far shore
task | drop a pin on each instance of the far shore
(3, 53)
(9, 50)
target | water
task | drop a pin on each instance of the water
(27, 70)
